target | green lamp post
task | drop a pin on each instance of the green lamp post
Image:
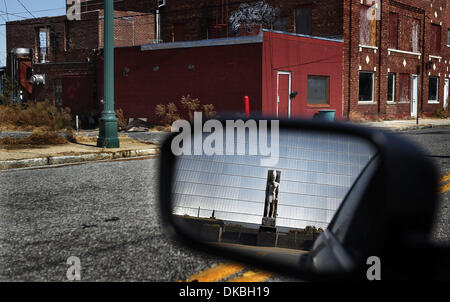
(108, 137)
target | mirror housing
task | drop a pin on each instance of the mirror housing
(396, 219)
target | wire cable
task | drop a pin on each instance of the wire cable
(6, 8)
(20, 2)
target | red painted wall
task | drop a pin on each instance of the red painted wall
(222, 76)
(78, 93)
(301, 56)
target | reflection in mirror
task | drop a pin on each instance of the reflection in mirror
(232, 200)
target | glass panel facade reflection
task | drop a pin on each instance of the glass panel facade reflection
(317, 171)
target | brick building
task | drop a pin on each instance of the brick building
(66, 53)
(395, 56)
(399, 61)
(394, 62)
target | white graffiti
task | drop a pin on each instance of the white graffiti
(250, 15)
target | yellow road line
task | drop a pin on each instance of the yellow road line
(252, 276)
(445, 178)
(217, 273)
(444, 188)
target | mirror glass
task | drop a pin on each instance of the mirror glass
(280, 205)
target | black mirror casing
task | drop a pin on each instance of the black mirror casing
(397, 215)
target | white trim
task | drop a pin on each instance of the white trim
(368, 46)
(435, 57)
(433, 102)
(367, 103)
(404, 52)
(391, 103)
(375, 48)
(289, 73)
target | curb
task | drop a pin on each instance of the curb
(408, 128)
(69, 159)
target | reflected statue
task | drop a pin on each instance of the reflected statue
(271, 202)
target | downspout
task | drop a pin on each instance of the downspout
(158, 26)
(350, 59)
(422, 71)
(380, 58)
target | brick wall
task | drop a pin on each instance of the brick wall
(382, 60)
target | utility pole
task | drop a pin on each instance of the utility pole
(108, 137)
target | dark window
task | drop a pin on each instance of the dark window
(435, 39)
(366, 86)
(448, 37)
(303, 21)
(58, 92)
(433, 89)
(318, 90)
(280, 24)
(403, 83)
(391, 87)
(67, 41)
(393, 30)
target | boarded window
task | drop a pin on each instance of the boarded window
(303, 21)
(404, 84)
(433, 89)
(318, 90)
(435, 39)
(366, 85)
(391, 87)
(178, 32)
(393, 30)
(368, 27)
(415, 35)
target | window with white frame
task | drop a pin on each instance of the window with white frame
(391, 87)
(433, 89)
(366, 86)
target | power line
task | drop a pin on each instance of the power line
(6, 8)
(15, 15)
(26, 8)
(33, 11)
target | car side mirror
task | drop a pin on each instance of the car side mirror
(313, 199)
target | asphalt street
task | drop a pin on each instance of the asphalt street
(436, 142)
(107, 215)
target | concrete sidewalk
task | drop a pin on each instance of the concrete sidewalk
(83, 151)
(403, 125)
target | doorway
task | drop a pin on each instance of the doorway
(446, 92)
(284, 81)
(414, 94)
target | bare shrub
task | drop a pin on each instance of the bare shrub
(36, 139)
(170, 113)
(33, 115)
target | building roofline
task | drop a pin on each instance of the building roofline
(205, 43)
(304, 36)
(228, 41)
